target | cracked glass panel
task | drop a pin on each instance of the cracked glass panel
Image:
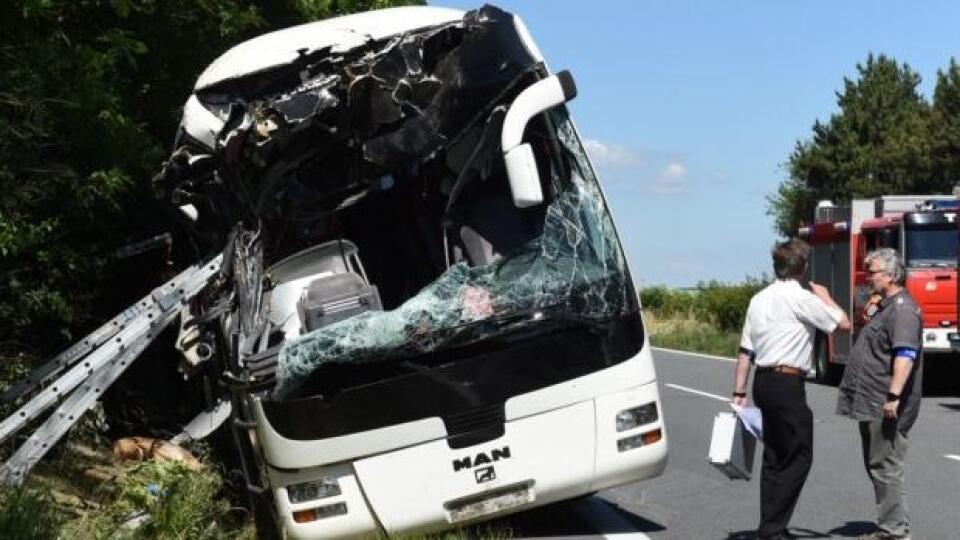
(574, 271)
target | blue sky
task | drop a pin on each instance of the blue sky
(690, 109)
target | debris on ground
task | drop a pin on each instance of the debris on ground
(149, 448)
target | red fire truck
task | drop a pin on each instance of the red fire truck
(922, 228)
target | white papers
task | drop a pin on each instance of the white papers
(752, 419)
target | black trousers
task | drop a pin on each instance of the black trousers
(787, 446)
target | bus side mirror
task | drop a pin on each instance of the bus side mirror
(521, 164)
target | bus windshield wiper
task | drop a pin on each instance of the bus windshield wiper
(499, 324)
(554, 314)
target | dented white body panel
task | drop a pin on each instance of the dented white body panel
(339, 34)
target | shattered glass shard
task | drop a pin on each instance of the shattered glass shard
(308, 100)
(575, 267)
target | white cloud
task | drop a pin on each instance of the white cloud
(675, 170)
(609, 155)
(671, 179)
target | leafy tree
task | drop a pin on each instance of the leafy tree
(946, 124)
(90, 97)
(879, 142)
(322, 9)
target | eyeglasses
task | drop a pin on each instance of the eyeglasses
(873, 272)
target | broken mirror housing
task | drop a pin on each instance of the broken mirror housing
(521, 164)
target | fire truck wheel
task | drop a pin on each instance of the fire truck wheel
(827, 372)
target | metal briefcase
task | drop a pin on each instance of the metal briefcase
(731, 447)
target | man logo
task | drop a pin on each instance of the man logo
(485, 474)
(481, 459)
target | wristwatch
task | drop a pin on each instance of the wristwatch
(739, 394)
(892, 397)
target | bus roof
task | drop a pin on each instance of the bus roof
(340, 33)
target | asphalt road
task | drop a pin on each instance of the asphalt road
(694, 501)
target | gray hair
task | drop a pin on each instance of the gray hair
(892, 263)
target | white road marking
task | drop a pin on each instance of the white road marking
(697, 392)
(952, 456)
(701, 355)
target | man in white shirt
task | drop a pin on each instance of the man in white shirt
(778, 335)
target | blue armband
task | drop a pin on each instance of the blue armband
(905, 352)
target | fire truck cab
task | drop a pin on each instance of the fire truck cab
(922, 228)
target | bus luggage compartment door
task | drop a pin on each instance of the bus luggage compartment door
(540, 459)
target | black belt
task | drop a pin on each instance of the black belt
(787, 370)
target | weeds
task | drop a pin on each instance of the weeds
(706, 319)
(723, 305)
(690, 334)
(160, 500)
(488, 531)
(26, 514)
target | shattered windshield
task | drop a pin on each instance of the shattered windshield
(575, 267)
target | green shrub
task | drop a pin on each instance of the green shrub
(690, 334)
(707, 319)
(726, 305)
(682, 303)
(173, 502)
(653, 298)
(668, 302)
(26, 514)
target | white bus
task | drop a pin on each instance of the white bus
(447, 330)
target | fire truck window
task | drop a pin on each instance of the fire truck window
(888, 238)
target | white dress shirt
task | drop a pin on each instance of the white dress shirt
(781, 322)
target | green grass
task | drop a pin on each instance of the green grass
(689, 333)
(174, 502)
(479, 532)
(27, 514)
(64, 501)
